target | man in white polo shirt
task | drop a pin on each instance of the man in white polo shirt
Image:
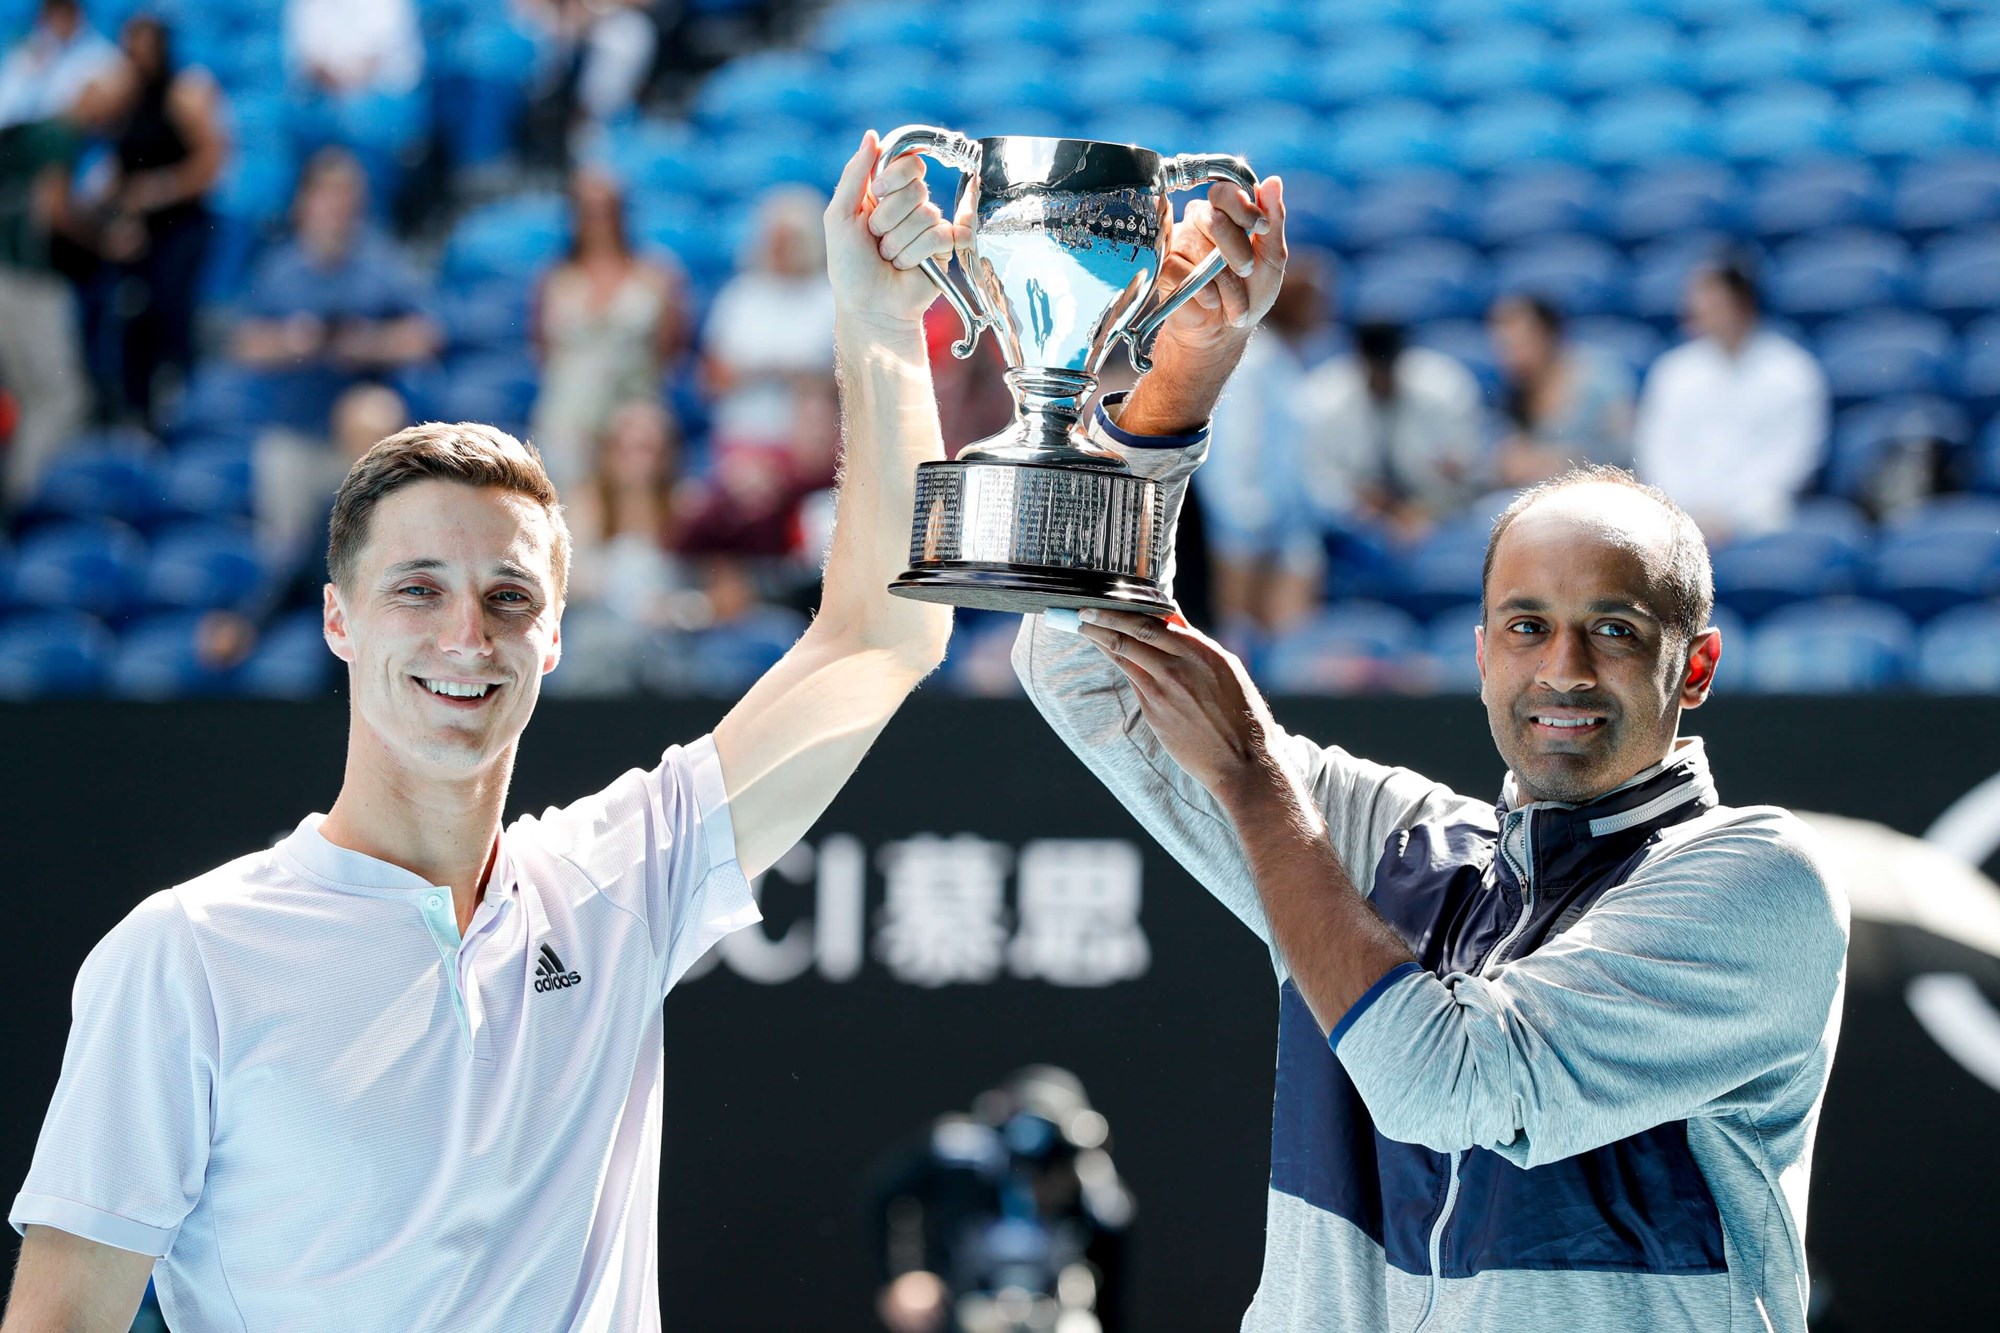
(403, 1070)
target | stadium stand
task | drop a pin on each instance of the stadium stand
(1590, 151)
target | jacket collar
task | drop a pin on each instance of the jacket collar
(1677, 789)
(339, 867)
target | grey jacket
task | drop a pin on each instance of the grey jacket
(1591, 1105)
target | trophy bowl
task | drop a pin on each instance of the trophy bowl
(1067, 238)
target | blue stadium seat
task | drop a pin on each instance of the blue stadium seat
(1866, 436)
(855, 33)
(1537, 201)
(1444, 569)
(1835, 518)
(976, 28)
(1956, 191)
(1671, 200)
(91, 566)
(1921, 119)
(1943, 554)
(1582, 274)
(207, 479)
(1514, 131)
(1894, 44)
(1831, 647)
(1961, 273)
(1428, 203)
(1317, 208)
(1978, 52)
(1636, 53)
(1470, 17)
(111, 475)
(1816, 196)
(1979, 365)
(1450, 650)
(727, 659)
(202, 567)
(1347, 647)
(1986, 459)
(1757, 53)
(157, 658)
(513, 240)
(222, 401)
(496, 387)
(1887, 352)
(1269, 135)
(1391, 136)
(1847, 269)
(1241, 66)
(1128, 71)
(1648, 128)
(1660, 272)
(52, 654)
(1959, 652)
(1782, 123)
(1757, 575)
(493, 315)
(291, 661)
(1499, 59)
(1370, 67)
(1421, 280)
(652, 156)
(1011, 78)
(1633, 341)
(763, 85)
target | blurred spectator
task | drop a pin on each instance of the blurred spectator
(608, 324)
(1392, 433)
(623, 518)
(296, 575)
(1264, 542)
(770, 334)
(1019, 1197)
(41, 360)
(63, 67)
(753, 502)
(973, 400)
(600, 56)
(337, 303)
(356, 67)
(150, 223)
(1732, 424)
(1566, 403)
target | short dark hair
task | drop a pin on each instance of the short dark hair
(1379, 341)
(1686, 585)
(1535, 306)
(465, 452)
(1736, 273)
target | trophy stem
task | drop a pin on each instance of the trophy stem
(1048, 410)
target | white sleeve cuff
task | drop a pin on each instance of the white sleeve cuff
(79, 1219)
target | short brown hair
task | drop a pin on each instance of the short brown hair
(1686, 585)
(463, 451)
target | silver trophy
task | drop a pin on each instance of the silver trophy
(1067, 239)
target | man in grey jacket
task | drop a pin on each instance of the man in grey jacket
(1554, 1063)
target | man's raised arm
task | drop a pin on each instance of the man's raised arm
(797, 736)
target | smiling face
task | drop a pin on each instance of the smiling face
(1582, 670)
(447, 620)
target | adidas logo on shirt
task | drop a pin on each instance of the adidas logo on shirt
(550, 974)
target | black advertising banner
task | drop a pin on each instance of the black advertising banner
(974, 902)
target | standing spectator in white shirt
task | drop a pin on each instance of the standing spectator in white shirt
(357, 69)
(63, 67)
(1265, 549)
(1392, 434)
(404, 1070)
(772, 323)
(1732, 423)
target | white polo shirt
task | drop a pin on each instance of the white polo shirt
(295, 1084)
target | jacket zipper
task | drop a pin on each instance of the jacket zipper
(1519, 851)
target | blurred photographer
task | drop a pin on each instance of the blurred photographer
(1006, 1220)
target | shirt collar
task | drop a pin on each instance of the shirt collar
(1688, 760)
(357, 872)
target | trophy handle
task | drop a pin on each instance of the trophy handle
(1181, 173)
(960, 153)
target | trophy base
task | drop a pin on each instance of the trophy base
(1027, 590)
(1011, 536)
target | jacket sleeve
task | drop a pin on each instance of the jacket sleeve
(1088, 703)
(1701, 985)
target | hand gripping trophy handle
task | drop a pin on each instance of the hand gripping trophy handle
(961, 154)
(1182, 173)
